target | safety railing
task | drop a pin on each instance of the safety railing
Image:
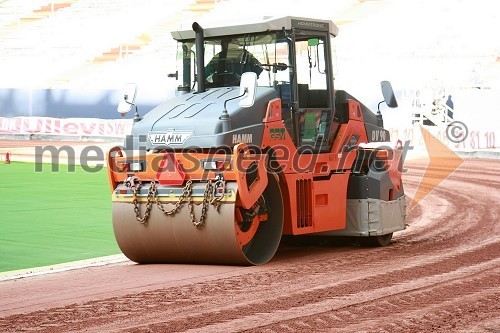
(437, 115)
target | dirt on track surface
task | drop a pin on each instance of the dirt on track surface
(442, 274)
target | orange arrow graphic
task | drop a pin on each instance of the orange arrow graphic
(442, 162)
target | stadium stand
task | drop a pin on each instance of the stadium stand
(60, 44)
(53, 52)
(68, 59)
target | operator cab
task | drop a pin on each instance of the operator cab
(290, 55)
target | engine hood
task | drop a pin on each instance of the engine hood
(192, 120)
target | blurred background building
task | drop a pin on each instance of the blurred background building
(57, 51)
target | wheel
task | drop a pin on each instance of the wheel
(259, 229)
(375, 241)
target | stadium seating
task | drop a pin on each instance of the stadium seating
(89, 43)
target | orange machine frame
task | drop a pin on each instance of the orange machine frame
(314, 199)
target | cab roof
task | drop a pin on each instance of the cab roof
(272, 24)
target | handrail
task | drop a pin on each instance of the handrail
(438, 114)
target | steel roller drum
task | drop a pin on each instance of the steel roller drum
(174, 239)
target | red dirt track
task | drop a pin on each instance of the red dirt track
(442, 274)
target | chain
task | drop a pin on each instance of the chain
(209, 197)
(215, 201)
(186, 193)
(149, 204)
(206, 200)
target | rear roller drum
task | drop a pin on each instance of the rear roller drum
(375, 241)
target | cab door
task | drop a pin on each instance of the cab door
(313, 91)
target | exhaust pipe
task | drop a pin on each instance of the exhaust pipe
(200, 56)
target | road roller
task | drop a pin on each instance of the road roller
(257, 145)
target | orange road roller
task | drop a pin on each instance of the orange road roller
(257, 144)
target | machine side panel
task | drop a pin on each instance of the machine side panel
(372, 217)
(375, 185)
(330, 203)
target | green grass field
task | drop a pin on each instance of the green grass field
(53, 217)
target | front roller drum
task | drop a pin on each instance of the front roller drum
(223, 238)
